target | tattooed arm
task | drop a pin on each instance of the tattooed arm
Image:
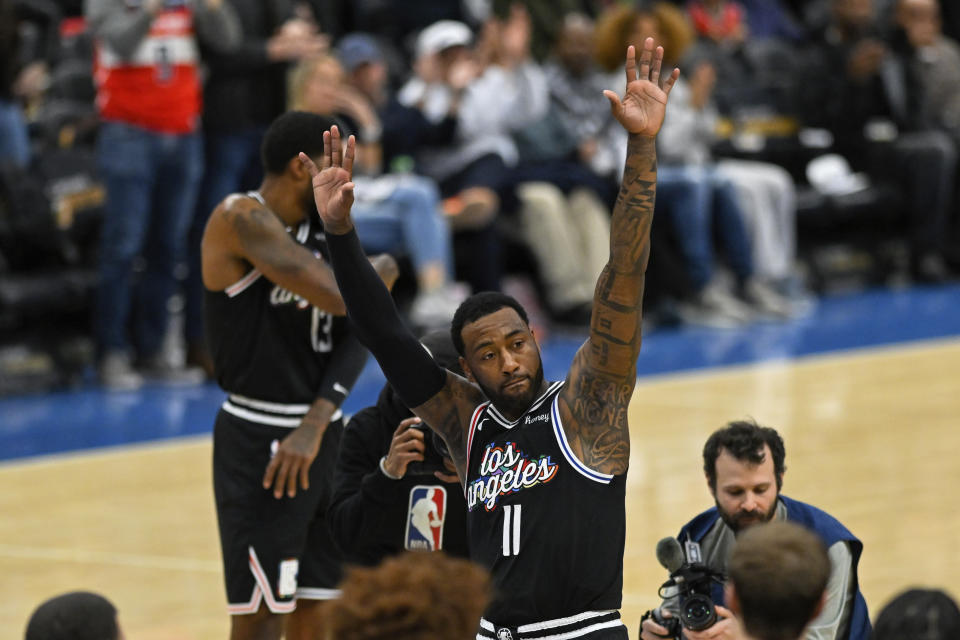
(593, 403)
(242, 233)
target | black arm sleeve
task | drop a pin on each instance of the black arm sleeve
(406, 364)
(346, 363)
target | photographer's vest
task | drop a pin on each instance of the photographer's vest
(549, 529)
(820, 522)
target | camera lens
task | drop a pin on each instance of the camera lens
(697, 613)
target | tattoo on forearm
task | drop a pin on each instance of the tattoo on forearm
(603, 374)
(599, 426)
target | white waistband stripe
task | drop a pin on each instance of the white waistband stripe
(289, 420)
(272, 407)
(546, 625)
(559, 622)
(260, 418)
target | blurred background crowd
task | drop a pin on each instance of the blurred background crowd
(809, 147)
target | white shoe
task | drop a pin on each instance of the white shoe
(117, 374)
(435, 309)
(715, 307)
(767, 300)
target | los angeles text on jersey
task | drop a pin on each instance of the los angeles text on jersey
(506, 470)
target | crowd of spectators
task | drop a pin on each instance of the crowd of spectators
(486, 147)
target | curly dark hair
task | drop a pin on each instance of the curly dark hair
(479, 305)
(744, 440)
(417, 595)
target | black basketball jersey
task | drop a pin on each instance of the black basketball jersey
(268, 343)
(549, 529)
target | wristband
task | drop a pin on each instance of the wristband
(383, 469)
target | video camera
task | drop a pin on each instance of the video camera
(693, 583)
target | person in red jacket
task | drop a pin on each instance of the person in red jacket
(150, 158)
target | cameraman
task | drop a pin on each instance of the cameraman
(744, 466)
(394, 489)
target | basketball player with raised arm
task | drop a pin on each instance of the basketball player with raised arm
(543, 463)
(284, 353)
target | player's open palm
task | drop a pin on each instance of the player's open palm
(332, 181)
(644, 103)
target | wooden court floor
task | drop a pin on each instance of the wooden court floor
(872, 437)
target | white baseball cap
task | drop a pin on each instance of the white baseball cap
(443, 35)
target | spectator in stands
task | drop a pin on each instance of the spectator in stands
(933, 59)
(563, 206)
(398, 213)
(778, 575)
(415, 596)
(491, 90)
(858, 88)
(395, 486)
(244, 91)
(14, 143)
(930, 614)
(24, 72)
(150, 158)
(720, 21)
(765, 192)
(695, 197)
(78, 615)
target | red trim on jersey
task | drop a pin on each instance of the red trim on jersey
(473, 426)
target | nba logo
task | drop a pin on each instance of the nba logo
(425, 515)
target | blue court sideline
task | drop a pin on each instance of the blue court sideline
(90, 418)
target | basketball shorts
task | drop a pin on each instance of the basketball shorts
(274, 551)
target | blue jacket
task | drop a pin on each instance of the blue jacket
(823, 524)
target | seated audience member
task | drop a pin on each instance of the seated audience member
(933, 59)
(78, 615)
(930, 614)
(395, 487)
(491, 89)
(776, 580)
(744, 467)
(414, 596)
(399, 214)
(765, 192)
(858, 88)
(702, 202)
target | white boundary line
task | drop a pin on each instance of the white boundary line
(88, 556)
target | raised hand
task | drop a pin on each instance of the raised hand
(332, 185)
(644, 103)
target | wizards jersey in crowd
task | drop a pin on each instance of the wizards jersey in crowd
(158, 86)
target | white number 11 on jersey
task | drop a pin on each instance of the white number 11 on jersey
(511, 529)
